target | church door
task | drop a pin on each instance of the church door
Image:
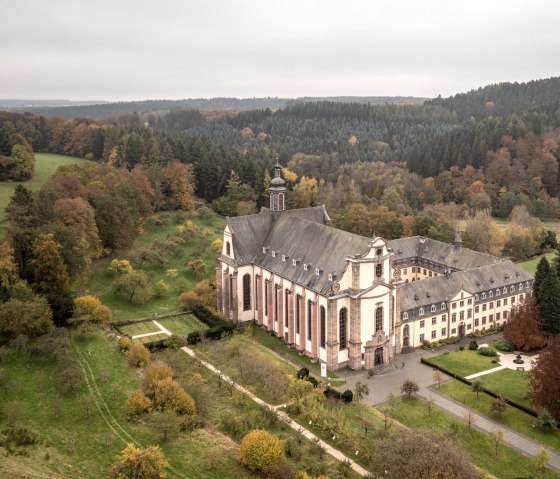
(406, 334)
(378, 356)
(461, 330)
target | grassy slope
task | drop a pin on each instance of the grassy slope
(92, 457)
(464, 363)
(45, 166)
(531, 265)
(509, 464)
(511, 417)
(101, 280)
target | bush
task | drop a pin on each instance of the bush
(218, 332)
(155, 371)
(347, 396)
(209, 318)
(473, 345)
(138, 355)
(169, 394)
(504, 345)
(260, 451)
(303, 373)
(486, 351)
(461, 348)
(545, 421)
(124, 344)
(173, 342)
(137, 404)
(194, 337)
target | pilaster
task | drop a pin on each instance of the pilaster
(314, 329)
(219, 289)
(259, 300)
(291, 326)
(302, 322)
(397, 318)
(234, 298)
(227, 294)
(332, 337)
(355, 341)
(280, 295)
(355, 276)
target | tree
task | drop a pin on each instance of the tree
(437, 377)
(477, 386)
(547, 292)
(165, 422)
(415, 455)
(498, 406)
(545, 421)
(544, 380)
(136, 463)
(180, 185)
(196, 267)
(138, 355)
(8, 268)
(524, 327)
(260, 451)
(30, 318)
(137, 404)
(360, 391)
(169, 395)
(540, 461)
(430, 404)
(89, 308)
(498, 439)
(133, 286)
(486, 234)
(409, 387)
(203, 293)
(469, 418)
(155, 371)
(50, 277)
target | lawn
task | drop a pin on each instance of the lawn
(45, 165)
(197, 246)
(511, 417)
(509, 383)
(531, 265)
(182, 325)
(139, 328)
(464, 363)
(76, 446)
(509, 463)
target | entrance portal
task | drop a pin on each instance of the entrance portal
(461, 330)
(378, 359)
(406, 334)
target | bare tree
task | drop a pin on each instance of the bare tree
(498, 438)
(470, 419)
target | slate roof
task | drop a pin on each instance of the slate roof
(475, 280)
(312, 243)
(439, 252)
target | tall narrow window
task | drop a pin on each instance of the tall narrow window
(309, 310)
(266, 293)
(228, 248)
(286, 297)
(379, 270)
(323, 327)
(342, 328)
(379, 318)
(298, 305)
(246, 292)
(257, 299)
(276, 298)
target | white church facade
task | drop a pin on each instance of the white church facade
(351, 301)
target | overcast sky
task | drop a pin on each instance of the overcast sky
(132, 50)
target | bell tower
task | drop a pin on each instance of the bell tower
(277, 191)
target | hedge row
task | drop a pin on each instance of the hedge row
(218, 327)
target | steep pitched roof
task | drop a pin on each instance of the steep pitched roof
(476, 280)
(439, 252)
(311, 243)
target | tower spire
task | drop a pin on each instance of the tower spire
(277, 190)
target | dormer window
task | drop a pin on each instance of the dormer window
(483, 295)
(498, 292)
(476, 297)
(421, 312)
(305, 266)
(491, 294)
(405, 315)
(512, 289)
(504, 290)
(274, 254)
(379, 251)
(433, 309)
(265, 249)
(294, 262)
(332, 276)
(442, 307)
(318, 271)
(284, 257)
(527, 284)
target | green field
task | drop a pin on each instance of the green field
(531, 265)
(509, 463)
(74, 445)
(509, 383)
(45, 165)
(182, 325)
(100, 283)
(464, 363)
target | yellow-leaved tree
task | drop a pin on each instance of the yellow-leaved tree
(136, 463)
(260, 451)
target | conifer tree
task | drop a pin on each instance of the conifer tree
(547, 292)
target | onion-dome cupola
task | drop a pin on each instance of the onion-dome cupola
(277, 190)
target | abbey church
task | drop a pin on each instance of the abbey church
(351, 301)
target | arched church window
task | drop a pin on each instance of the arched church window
(406, 331)
(379, 318)
(281, 202)
(309, 312)
(323, 327)
(228, 248)
(343, 328)
(246, 292)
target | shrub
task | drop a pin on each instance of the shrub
(218, 332)
(137, 404)
(173, 342)
(136, 462)
(473, 345)
(504, 345)
(209, 318)
(303, 373)
(260, 451)
(461, 348)
(313, 381)
(161, 289)
(371, 373)
(169, 394)
(194, 337)
(124, 344)
(138, 355)
(347, 396)
(89, 308)
(155, 371)
(546, 421)
(486, 351)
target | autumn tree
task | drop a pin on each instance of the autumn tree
(485, 233)
(170, 395)
(544, 379)
(50, 277)
(196, 267)
(137, 463)
(137, 404)
(203, 293)
(155, 371)
(524, 327)
(415, 455)
(89, 308)
(133, 286)
(260, 451)
(498, 405)
(31, 318)
(179, 179)
(138, 355)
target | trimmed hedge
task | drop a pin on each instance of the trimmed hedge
(485, 351)
(172, 342)
(219, 327)
(209, 318)
(346, 396)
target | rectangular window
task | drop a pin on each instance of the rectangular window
(469, 313)
(454, 331)
(434, 321)
(414, 269)
(469, 301)
(266, 293)
(422, 323)
(430, 274)
(424, 272)
(454, 318)
(476, 310)
(422, 338)
(454, 305)
(505, 314)
(468, 326)
(286, 302)
(483, 319)
(491, 305)
(443, 318)
(462, 315)
(491, 318)
(298, 306)
(443, 331)
(505, 301)
(404, 271)
(484, 307)
(476, 322)
(498, 303)
(461, 303)
(513, 300)
(433, 334)
(276, 301)
(497, 316)
(309, 309)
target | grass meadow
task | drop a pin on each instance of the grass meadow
(464, 363)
